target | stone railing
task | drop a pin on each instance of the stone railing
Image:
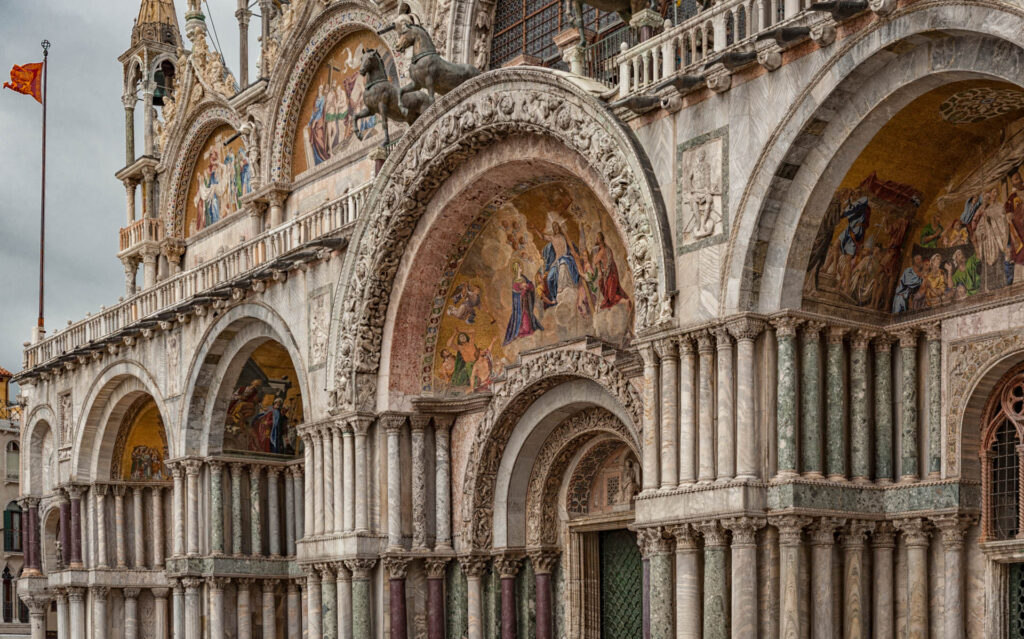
(169, 295)
(148, 229)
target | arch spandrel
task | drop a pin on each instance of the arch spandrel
(493, 107)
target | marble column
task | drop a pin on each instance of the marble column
(507, 567)
(396, 568)
(835, 403)
(160, 621)
(178, 509)
(75, 496)
(953, 528)
(908, 403)
(716, 596)
(725, 416)
(339, 484)
(393, 426)
(856, 601)
(33, 559)
(475, 567)
(216, 614)
(269, 609)
(349, 478)
(99, 612)
(63, 616)
(786, 399)
(442, 487)
(193, 608)
(100, 491)
(933, 339)
(236, 508)
(822, 535)
(138, 532)
(744, 574)
(273, 516)
(706, 404)
(327, 444)
(362, 606)
(651, 427)
(748, 446)
(656, 549)
(38, 607)
(76, 605)
(860, 430)
(216, 507)
(256, 511)
(343, 578)
(309, 492)
(669, 410)
(192, 468)
(243, 603)
(294, 611)
(436, 567)
(319, 487)
(63, 527)
(156, 497)
(361, 428)
(299, 499)
(120, 545)
(790, 529)
(178, 605)
(131, 613)
(883, 410)
(419, 482)
(915, 536)
(688, 591)
(811, 423)
(687, 413)
(328, 601)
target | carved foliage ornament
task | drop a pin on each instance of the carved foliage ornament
(487, 109)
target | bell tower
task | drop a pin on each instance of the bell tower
(150, 77)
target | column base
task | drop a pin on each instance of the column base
(77, 565)
(785, 475)
(861, 480)
(935, 474)
(686, 483)
(908, 479)
(838, 478)
(443, 547)
(723, 480)
(813, 475)
(747, 478)
(884, 481)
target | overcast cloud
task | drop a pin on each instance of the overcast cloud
(85, 204)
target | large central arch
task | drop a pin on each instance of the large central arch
(492, 107)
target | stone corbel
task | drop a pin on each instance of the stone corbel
(718, 78)
(769, 54)
(882, 7)
(823, 32)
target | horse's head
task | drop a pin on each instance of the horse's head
(371, 61)
(414, 35)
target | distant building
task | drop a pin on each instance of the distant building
(13, 612)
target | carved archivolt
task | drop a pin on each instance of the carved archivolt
(553, 459)
(511, 398)
(492, 107)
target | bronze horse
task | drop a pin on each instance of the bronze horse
(382, 97)
(428, 69)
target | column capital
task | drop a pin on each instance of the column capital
(38, 604)
(270, 584)
(245, 583)
(74, 491)
(419, 421)
(666, 348)
(704, 342)
(436, 567)
(746, 328)
(790, 528)
(296, 471)
(953, 528)
(507, 564)
(361, 567)
(474, 565)
(860, 339)
(139, 490)
(856, 533)
(933, 332)
(215, 464)
(907, 337)
(812, 329)
(217, 584)
(883, 342)
(823, 530)
(130, 593)
(177, 470)
(647, 353)
(192, 583)
(685, 344)
(723, 336)
(255, 470)
(326, 570)
(744, 529)
(544, 560)
(60, 594)
(29, 502)
(237, 468)
(274, 471)
(685, 537)
(341, 571)
(396, 565)
(120, 490)
(836, 334)
(714, 535)
(100, 592)
(914, 529)
(652, 542)
(786, 325)
(160, 593)
(100, 490)
(360, 425)
(192, 466)
(75, 593)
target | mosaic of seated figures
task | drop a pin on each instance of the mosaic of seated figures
(932, 211)
(542, 265)
(141, 445)
(265, 406)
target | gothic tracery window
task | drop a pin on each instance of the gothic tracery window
(1004, 422)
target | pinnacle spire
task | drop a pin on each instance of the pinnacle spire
(157, 22)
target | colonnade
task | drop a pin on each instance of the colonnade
(339, 492)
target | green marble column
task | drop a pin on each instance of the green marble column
(362, 607)
(908, 406)
(860, 436)
(455, 601)
(934, 341)
(236, 508)
(716, 599)
(883, 409)
(216, 508)
(810, 400)
(786, 402)
(329, 602)
(655, 547)
(836, 405)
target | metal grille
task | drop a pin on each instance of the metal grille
(1004, 482)
(621, 583)
(1016, 601)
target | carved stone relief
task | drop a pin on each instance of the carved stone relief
(319, 321)
(702, 191)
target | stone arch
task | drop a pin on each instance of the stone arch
(812, 143)
(227, 344)
(108, 400)
(50, 534)
(38, 425)
(521, 388)
(492, 107)
(305, 49)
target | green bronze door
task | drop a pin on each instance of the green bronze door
(1016, 601)
(621, 584)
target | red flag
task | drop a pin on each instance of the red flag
(27, 79)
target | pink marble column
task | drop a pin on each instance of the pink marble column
(508, 567)
(543, 564)
(435, 568)
(397, 567)
(75, 492)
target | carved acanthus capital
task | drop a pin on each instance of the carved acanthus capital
(860, 339)
(361, 567)
(746, 328)
(714, 535)
(666, 348)
(907, 337)
(705, 345)
(392, 422)
(836, 334)
(933, 332)
(192, 467)
(397, 566)
(419, 422)
(474, 565)
(507, 564)
(544, 561)
(172, 248)
(856, 533)
(914, 530)
(686, 347)
(883, 343)
(786, 326)
(436, 567)
(790, 527)
(723, 337)
(685, 537)
(744, 529)
(76, 594)
(953, 528)
(652, 542)
(823, 530)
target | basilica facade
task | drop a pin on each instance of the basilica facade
(494, 318)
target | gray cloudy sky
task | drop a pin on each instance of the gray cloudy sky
(85, 205)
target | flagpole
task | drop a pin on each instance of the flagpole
(42, 198)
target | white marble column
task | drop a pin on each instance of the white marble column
(744, 575)
(687, 414)
(339, 482)
(915, 535)
(669, 412)
(38, 606)
(256, 511)
(823, 537)
(319, 521)
(309, 490)
(273, 516)
(327, 444)
(688, 589)
(131, 613)
(362, 429)
(139, 535)
(160, 621)
(269, 612)
(790, 540)
(725, 421)
(314, 621)
(393, 427)
(299, 499)
(953, 528)
(474, 567)
(651, 427)
(178, 604)
(748, 448)
(157, 503)
(178, 509)
(294, 611)
(243, 603)
(349, 476)
(442, 479)
(100, 517)
(99, 611)
(216, 589)
(120, 545)
(63, 616)
(419, 482)
(192, 468)
(856, 600)
(706, 402)
(76, 605)
(344, 594)
(193, 608)
(289, 511)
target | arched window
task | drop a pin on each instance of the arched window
(1001, 453)
(13, 461)
(12, 527)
